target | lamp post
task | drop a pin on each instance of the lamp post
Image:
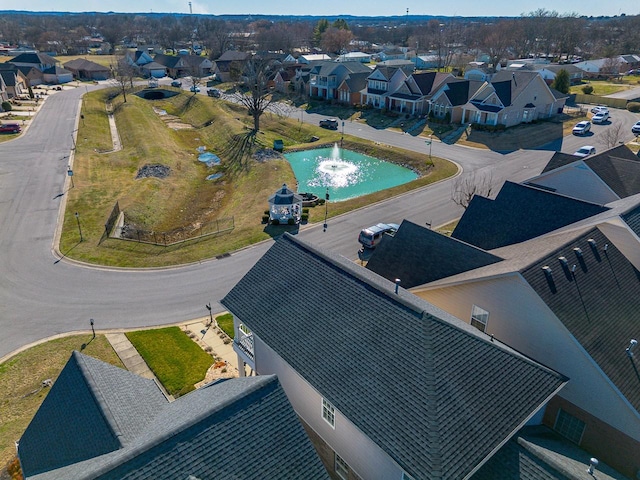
(92, 329)
(79, 227)
(208, 307)
(326, 210)
(430, 142)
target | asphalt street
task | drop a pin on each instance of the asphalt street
(42, 294)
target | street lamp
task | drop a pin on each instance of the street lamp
(79, 227)
(326, 209)
(430, 142)
(92, 329)
(208, 307)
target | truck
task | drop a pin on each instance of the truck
(371, 236)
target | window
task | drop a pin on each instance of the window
(328, 413)
(341, 467)
(479, 318)
(569, 426)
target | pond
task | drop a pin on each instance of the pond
(347, 174)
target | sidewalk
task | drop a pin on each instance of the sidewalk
(210, 339)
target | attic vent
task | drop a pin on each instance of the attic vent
(563, 262)
(592, 243)
(578, 252)
(549, 276)
(547, 270)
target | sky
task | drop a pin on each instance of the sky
(464, 8)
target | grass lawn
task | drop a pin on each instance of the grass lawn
(21, 377)
(176, 360)
(225, 322)
(601, 87)
(185, 198)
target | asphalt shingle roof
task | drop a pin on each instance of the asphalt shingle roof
(422, 395)
(417, 255)
(141, 436)
(599, 305)
(561, 159)
(519, 213)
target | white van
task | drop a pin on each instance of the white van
(371, 236)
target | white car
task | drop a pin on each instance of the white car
(585, 151)
(635, 129)
(582, 128)
(600, 117)
(600, 109)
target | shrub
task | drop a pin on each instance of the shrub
(266, 212)
(291, 221)
(321, 201)
(275, 221)
(305, 210)
(304, 217)
(265, 218)
(633, 107)
(6, 106)
(587, 89)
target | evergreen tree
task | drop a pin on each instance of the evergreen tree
(562, 82)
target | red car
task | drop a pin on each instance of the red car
(10, 128)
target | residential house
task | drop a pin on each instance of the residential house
(381, 83)
(406, 65)
(32, 76)
(393, 53)
(569, 298)
(229, 66)
(549, 72)
(452, 96)
(87, 70)
(153, 70)
(282, 80)
(325, 77)
(33, 66)
(511, 98)
(528, 211)
(354, 57)
(139, 57)
(423, 62)
(57, 75)
(479, 72)
(103, 422)
(435, 398)
(313, 58)
(601, 178)
(413, 95)
(13, 80)
(352, 88)
(4, 95)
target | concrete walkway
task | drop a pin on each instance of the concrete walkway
(210, 338)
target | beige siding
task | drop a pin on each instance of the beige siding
(519, 318)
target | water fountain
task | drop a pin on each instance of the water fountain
(336, 172)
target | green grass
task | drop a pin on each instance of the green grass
(185, 198)
(177, 361)
(601, 87)
(225, 322)
(21, 378)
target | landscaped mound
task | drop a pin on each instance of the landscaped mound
(155, 170)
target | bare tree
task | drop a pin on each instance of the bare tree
(123, 73)
(611, 136)
(465, 187)
(253, 90)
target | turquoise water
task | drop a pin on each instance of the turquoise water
(347, 174)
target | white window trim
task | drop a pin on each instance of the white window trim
(328, 410)
(572, 418)
(341, 467)
(476, 318)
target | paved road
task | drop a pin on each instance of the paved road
(42, 295)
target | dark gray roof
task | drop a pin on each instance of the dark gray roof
(34, 58)
(285, 196)
(460, 91)
(509, 84)
(357, 81)
(603, 328)
(519, 213)
(417, 255)
(428, 81)
(346, 332)
(561, 159)
(168, 61)
(85, 65)
(56, 70)
(197, 435)
(537, 453)
(233, 56)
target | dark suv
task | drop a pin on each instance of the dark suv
(213, 92)
(330, 123)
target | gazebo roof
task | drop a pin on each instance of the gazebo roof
(284, 196)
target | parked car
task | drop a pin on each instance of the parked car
(213, 92)
(9, 128)
(582, 128)
(635, 129)
(635, 71)
(176, 83)
(194, 88)
(370, 237)
(330, 123)
(600, 109)
(586, 151)
(600, 117)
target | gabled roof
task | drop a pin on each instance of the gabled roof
(459, 91)
(560, 159)
(85, 65)
(537, 453)
(196, 436)
(598, 304)
(417, 255)
(518, 213)
(56, 70)
(328, 318)
(34, 58)
(428, 82)
(232, 56)
(509, 84)
(356, 81)
(168, 61)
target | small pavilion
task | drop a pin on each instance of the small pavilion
(285, 204)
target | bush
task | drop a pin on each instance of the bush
(321, 201)
(304, 217)
(6, 106)
(291, 221)
(587, 89)
(305, 210)
(633, 107)
(265, 218)
(275, 221)
(266, 212)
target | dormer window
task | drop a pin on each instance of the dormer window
(328, 413)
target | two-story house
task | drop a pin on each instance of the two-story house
(325, 77)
